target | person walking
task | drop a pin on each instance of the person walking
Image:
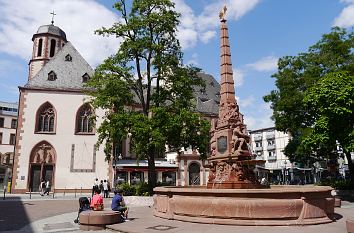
(105, 189)
(100, 187)
(47, 187)
(42, 187)
(95, 186)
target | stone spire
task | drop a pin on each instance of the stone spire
(227, 91)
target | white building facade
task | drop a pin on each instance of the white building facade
(268, 144)
(8, 123)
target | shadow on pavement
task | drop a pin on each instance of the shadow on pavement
(13, 215)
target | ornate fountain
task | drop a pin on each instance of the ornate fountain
(233, 195)
(231, 163)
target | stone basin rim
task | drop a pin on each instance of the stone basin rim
(272, 189)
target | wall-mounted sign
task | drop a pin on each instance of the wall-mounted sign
(222, 144)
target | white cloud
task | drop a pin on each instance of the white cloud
(78, 18)
(13, 90)
(203, 26)
(259, 121)
(346, 17)
(249, 101)
(238, 77)
(193, 60)
(265, 64)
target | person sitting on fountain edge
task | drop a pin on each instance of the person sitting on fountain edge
(118, 203)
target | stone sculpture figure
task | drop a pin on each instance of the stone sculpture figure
(240, 140)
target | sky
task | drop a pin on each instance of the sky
(260, 31)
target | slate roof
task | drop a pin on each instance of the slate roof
(208, 98)
(68, 73)
(51, 29)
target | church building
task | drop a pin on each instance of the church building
(55, 139)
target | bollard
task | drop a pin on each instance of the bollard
(81, 191)
(4, 192)
(53, 192)
(75, 192)
(64, 191)
(30, 193)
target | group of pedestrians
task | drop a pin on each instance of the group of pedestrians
(44, 187)
(103, 186)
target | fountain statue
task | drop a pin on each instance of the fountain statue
(233, 195)
(231, 164)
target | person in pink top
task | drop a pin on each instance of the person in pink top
(96, 199)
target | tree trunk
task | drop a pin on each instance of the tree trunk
(350, 165)
(151, 172)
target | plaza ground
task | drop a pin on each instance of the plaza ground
(18, 214)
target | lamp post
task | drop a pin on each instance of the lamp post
(285, 172)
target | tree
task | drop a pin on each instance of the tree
(333, 99)
(295, 77)
(146, 88)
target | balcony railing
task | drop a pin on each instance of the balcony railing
(258, 148)
(272, 157)
(271, 147)
(270, 135)
(257, 137)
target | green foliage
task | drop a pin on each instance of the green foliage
(141, 189)
(147, 74)
(314, 99)
(338, 184)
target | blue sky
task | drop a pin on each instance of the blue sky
(260, 32)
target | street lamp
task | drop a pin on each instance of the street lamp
(285, 172)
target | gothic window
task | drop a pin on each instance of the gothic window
(40, 45)
(52, 47)
(68, 57)
(85, 78)
(52, 76)
(84, 121)
(45, 119)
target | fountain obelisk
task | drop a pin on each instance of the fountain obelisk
(231, 163)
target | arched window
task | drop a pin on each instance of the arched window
(40, 45)
(84, 121)
(194, 174)
(52, 47)
(45, 119)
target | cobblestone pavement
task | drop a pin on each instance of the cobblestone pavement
(46, 215)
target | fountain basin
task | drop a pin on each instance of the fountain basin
(277, 206)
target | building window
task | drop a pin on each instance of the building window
(271, 153)
(136, 177)
(85, 78)
(40, 45)
(169, 178)
(68, 57)
(46, 118)
(258, 144)
(52, 47)
(1, 122)
(52, 76)
(0, 138)
(84, 119)
(12, 139)
(271, 142)
(122, 177)
(13, 123)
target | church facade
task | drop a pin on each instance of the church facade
(55, 139)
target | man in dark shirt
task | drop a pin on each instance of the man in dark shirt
(118, 203)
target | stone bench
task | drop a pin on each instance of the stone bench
(350, 225)
(97, 220)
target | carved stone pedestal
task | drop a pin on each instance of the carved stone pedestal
(233, 174)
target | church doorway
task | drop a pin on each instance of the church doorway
(194, 174)
(41, 166)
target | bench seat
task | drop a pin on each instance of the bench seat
(97, 220)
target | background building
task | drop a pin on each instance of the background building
(268, 144)
(8, 123)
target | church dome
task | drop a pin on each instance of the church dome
(51, 29)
